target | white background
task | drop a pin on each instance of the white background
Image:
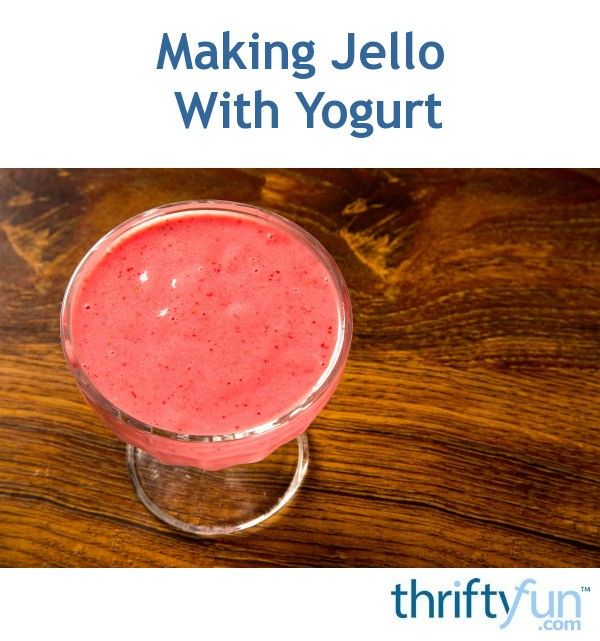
(271, 605)
(519, 84)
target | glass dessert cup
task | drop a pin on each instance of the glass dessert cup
(208, 484)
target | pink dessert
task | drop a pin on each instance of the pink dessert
(204, 330)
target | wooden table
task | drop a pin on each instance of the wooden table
(465, 431)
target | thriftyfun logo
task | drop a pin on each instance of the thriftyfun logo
(551, 610)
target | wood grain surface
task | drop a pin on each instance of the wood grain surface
(465, 431)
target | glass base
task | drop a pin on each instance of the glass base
(204, 503)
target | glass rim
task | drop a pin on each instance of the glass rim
(328, 377)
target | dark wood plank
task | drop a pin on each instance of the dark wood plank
(464, 432)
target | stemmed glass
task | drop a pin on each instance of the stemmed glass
(209, 484)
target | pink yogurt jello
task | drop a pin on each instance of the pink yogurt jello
(207, 333)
